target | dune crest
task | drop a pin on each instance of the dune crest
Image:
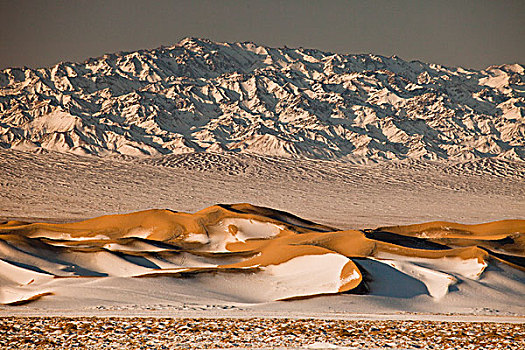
(276, 255)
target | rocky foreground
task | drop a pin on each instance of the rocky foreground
(253, 333)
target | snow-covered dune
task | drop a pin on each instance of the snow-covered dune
(200, 95)
(247, 254)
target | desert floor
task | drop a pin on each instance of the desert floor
(254, 333)
(60, 187)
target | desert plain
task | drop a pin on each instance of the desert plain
(484, 302)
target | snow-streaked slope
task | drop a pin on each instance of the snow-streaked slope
(200, 95)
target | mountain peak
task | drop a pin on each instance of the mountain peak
(189, 40)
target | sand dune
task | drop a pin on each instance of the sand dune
(249, 254)
(502, 239)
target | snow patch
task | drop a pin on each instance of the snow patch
(310, 274)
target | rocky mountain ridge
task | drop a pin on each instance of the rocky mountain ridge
(200, 95)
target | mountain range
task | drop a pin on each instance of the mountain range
(205, 96)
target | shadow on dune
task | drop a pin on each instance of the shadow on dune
(404, 241)
(384, 280)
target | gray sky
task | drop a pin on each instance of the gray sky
(472, 34)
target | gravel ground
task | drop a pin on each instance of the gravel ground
(253, 333)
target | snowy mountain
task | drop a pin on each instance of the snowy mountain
(200, 95)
